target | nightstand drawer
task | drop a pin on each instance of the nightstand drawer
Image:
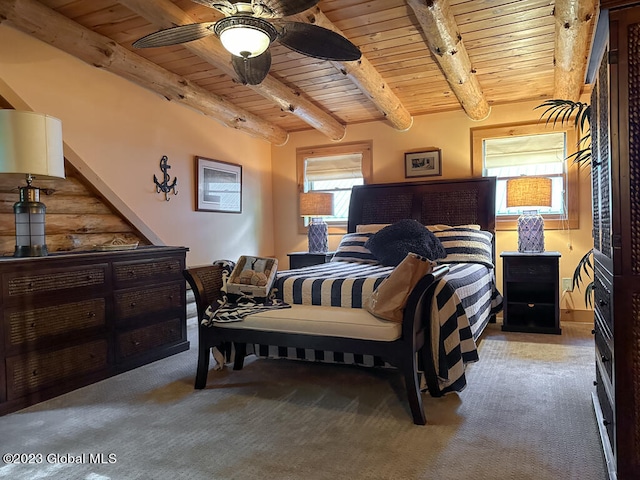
(532, 269)
(530, 315)
(307, 259)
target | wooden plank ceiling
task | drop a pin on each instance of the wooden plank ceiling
(510, 45)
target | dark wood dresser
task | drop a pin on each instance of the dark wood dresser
(69, 320)
(615, 132)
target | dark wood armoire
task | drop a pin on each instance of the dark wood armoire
(615, 129)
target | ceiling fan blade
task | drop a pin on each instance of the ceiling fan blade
(282, 8)
(225, 6)
(252, 70)
(175, 35)
(317, 42)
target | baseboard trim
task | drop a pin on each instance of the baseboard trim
(584, 316)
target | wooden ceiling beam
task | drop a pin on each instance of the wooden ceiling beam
(165, 14)
(573, 22)
(445, 42)
(364, 75)
(33, 18)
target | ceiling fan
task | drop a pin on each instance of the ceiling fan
(246, 34)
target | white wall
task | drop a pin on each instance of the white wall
(121, 131)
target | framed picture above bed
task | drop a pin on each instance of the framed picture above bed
(425, 163)
(218, 186)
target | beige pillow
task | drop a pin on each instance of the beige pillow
(375, 227)
(389, 299)
(371, 228)
(439, 228)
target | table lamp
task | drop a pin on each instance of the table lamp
(31, 147)
(529, 192)
(316, 205)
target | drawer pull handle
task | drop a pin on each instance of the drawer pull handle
(34, 373)
(531, 305)
(89, 277)
(135, 343)
(33, 324)
(605, 422)
(133, 304)
(91, 314)
(602, 303)
(595, 383)
(593, 332)
(131, 273)
(604, 359)
(30, 285)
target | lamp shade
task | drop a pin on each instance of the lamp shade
(245, 36)
(31, 143)
(529, 192)
(316, 204)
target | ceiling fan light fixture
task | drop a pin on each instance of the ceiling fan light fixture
(245, 37)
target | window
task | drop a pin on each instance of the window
(537, 149)
(334, 169)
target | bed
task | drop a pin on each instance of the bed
(444, 315)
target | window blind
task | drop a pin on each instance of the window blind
(524, 150)
(333, 168)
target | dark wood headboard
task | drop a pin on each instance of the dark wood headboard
(449, 202)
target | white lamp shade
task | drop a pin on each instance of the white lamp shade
(244, 41)
(31, 143)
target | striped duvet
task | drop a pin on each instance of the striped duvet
(465, 300)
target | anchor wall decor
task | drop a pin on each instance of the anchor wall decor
(165, 186)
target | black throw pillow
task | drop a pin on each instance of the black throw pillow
(392, 244)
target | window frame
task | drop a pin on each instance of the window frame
(572, 198)
(364, 148)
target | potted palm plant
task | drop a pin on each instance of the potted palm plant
(565, 112)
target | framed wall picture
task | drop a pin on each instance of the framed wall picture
(426, 163)
(218, 186)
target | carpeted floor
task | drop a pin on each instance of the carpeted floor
(526, 414)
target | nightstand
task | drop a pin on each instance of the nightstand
(306, 259)
(531, 291)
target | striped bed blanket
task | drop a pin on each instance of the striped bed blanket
(466, 298)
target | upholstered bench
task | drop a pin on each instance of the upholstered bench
(335, 329)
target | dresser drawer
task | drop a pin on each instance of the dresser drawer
(23, 326)
(605, 406)
(603, 347)
(141, 340)
(132, 303)
(17, 284)
(31, 372)
(602, 300)
(159, 270)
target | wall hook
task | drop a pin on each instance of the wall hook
(165, 186)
